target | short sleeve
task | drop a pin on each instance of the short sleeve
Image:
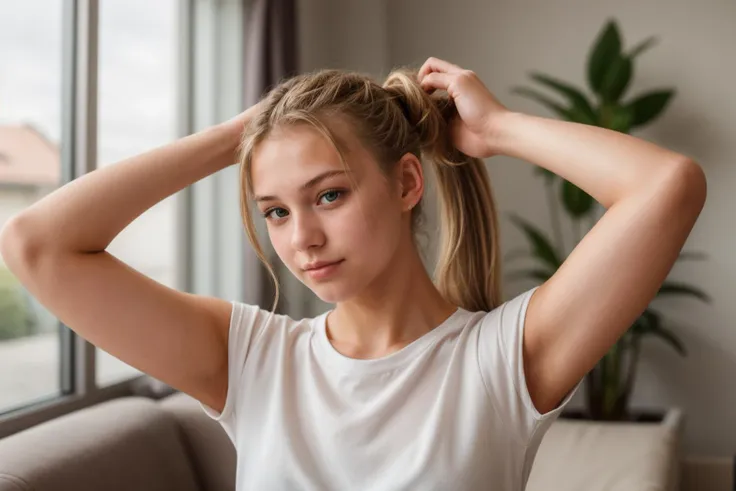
(246, 324)
(500, 355)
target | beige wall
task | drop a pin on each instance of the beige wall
(348, 34)
(504, 40)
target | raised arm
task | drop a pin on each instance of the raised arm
(653, 197)
(56, 248)
(86, 214)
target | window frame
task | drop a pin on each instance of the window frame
(204, 27)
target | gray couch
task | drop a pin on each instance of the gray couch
(131, 443)
(137, 443)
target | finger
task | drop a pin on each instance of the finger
(436, 65)
(436, 80)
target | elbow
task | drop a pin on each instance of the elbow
(10, 238)
(16, 247)
(685, 183)
(689, 179)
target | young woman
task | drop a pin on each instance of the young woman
(408, 383)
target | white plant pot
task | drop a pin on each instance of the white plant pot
(585, 455)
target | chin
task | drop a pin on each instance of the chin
(335, 290)
(331, 293)
(345, 285)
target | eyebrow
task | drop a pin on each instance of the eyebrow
(307, 185)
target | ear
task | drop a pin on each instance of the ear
(411, 181)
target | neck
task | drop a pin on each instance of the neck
(401, 305)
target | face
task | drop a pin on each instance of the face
(317, 212)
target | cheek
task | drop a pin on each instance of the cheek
(281, 243)
(369, 237)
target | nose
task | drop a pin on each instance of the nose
(307, 232)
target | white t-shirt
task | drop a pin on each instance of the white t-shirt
(449, 411)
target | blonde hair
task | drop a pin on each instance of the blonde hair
(391, 120)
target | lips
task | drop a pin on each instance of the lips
(325, 271)
(319, 264)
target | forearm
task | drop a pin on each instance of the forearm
(606, 164)
(86, 214)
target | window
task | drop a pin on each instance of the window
(138, 82)
(30, 168)
(85, 84)
(137, 96)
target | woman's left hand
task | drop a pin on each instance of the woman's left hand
(473, 133)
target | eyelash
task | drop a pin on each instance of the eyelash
(340, 193)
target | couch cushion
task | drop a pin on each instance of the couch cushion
(212, 453)
(121, 445)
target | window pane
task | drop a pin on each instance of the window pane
(138, 55)
(30, 168)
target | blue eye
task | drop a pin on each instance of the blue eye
(331, 195)
(280, 213)
(268, 213)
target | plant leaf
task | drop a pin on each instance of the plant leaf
(556, 108)
(670, 288)
(645, 323)
(541, 247)
(607, 48)
(616, 117)
(581, 108)
(670, 338)
(535, 274)
(647, 107)
(616, 79)
(650, 323)
(576, 201)
(643, 46)
(548, 175)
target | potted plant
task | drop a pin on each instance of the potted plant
(609, 70)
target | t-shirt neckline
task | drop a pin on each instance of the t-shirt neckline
(384, 363)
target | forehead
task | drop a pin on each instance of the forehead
(292, 155)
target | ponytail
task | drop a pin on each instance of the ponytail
(467, 272)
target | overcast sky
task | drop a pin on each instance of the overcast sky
(137, 71)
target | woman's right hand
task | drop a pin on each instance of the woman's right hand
(239, 122)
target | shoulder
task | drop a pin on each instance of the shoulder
(499, 337)
(512, 310)
(263, 326)
(505, 321)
